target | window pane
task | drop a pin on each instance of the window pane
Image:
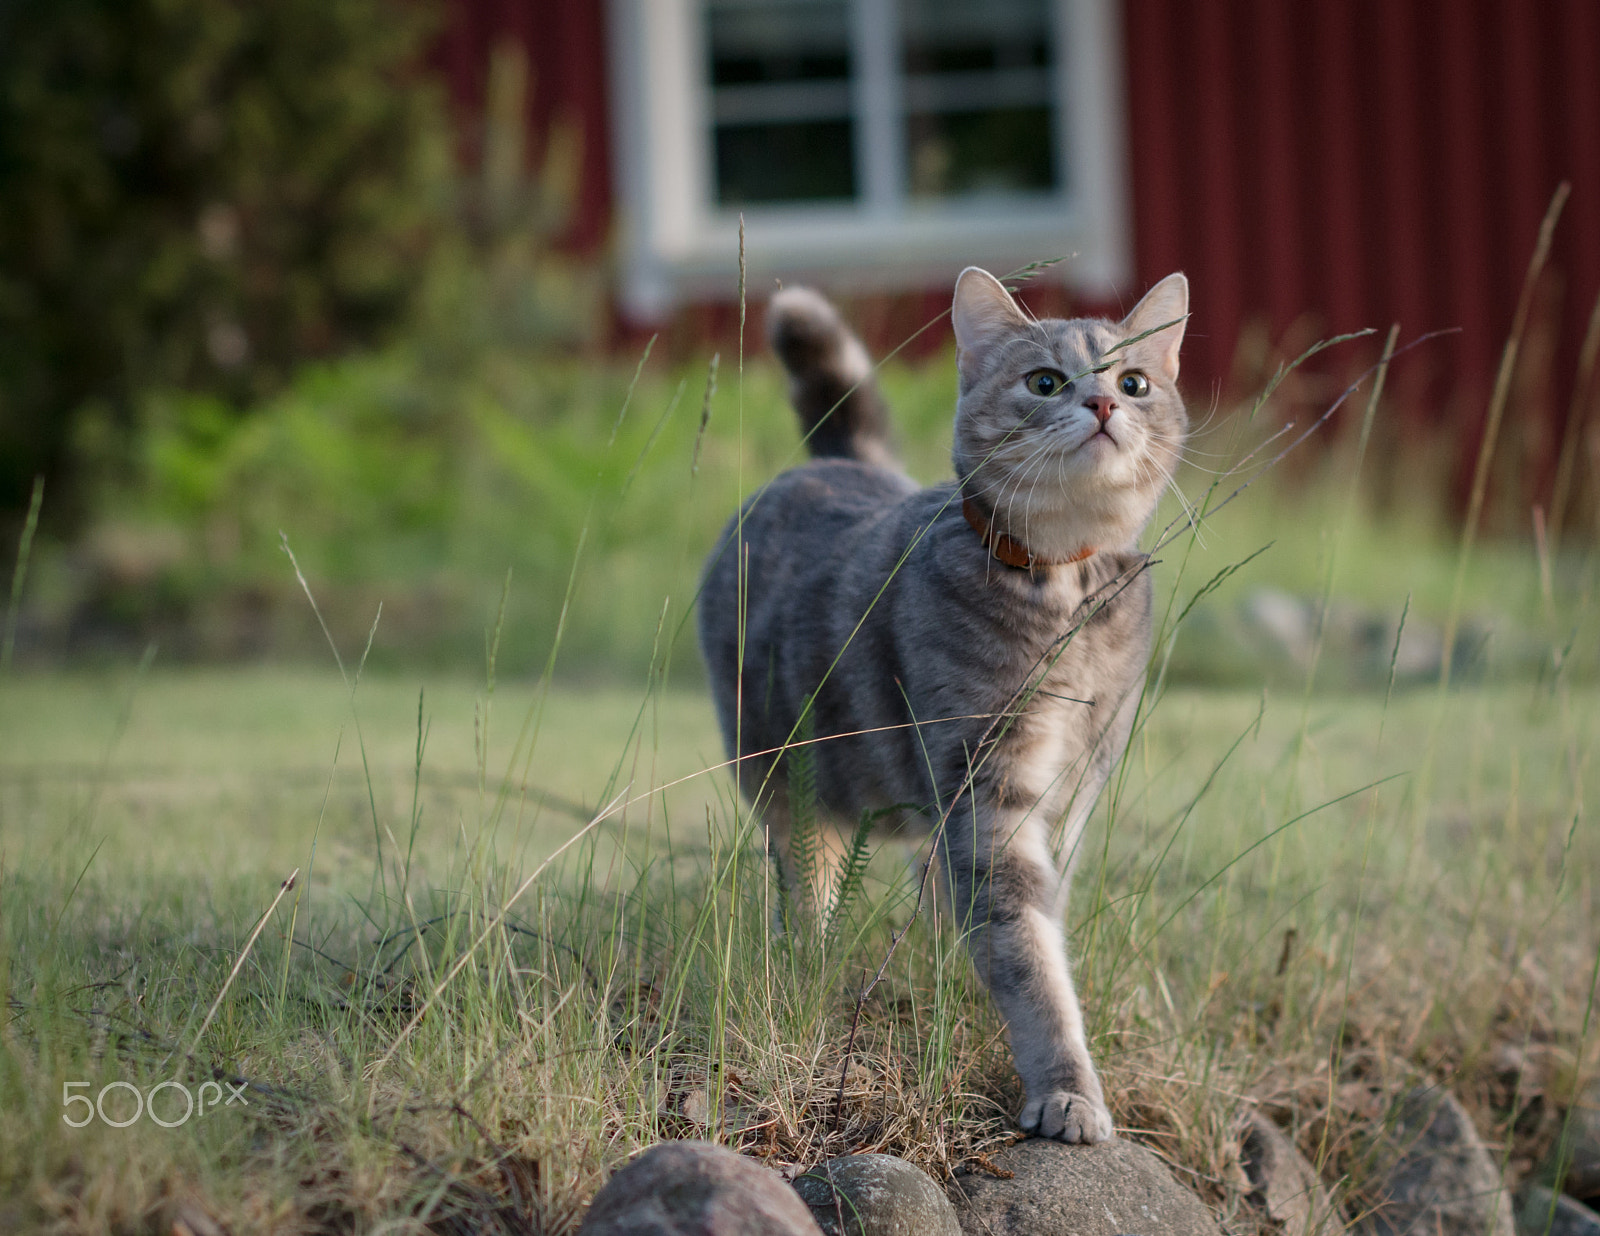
(780, 100)
(1001, 150)
(784, 162)
(778, 40)
(979, 113)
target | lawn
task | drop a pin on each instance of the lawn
(1304, 902)
(338, 943)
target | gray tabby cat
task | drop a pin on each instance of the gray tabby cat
(967, 658)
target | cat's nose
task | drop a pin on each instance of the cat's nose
(1102, 406)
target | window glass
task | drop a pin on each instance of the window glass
(782, 125)
(978, 97)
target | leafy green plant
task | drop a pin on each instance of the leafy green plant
(200, 194)
(500, 984)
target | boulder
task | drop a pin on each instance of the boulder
(1436, 1178)
(1283, 1181)
(876, 1195)
(696, 1189)
(1052, 1189)
(1543, 1213)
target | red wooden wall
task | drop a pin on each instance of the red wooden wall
(1315, 167)
(1370, 161)
(565, 41)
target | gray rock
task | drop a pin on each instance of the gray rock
(1283, 1180)
(1543, 1213)
(1355, 645)
(1439, 1180)
(1577, 1155)
(696, 1189)
(876, 1195)
(1284, 624)
(1059, 1190)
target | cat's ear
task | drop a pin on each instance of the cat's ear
(983, 311)
(1164, 311)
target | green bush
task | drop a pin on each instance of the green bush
(398, 483)
(418, 485)
(201, 195)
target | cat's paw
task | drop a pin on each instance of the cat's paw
(1067, 1117)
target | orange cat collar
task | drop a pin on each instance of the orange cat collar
(1008, 549)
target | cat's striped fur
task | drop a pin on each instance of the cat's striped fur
(985, 703)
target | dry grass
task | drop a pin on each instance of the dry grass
(1305, 904)
(634, 992)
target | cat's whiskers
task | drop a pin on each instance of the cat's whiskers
(1017, 473)
(1014, 436)
(1195, 520)
(1015, 490)
(1206, 426)
(999, 483)
(1183, 442)
(1035, 468)
(1199, 467)
(1170, 481)
(1204, 433)
(1211, 422)
(1028, 511)
(1183, 453)
(1187, 454)
(1042, 455)
(1061, 471)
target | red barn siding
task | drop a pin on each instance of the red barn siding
(1315, 167)
(566, 45)
(1372, 161)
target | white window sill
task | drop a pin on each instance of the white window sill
(675, 246)
(853, 251)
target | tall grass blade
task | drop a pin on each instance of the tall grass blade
(66, 901)
(243, 954)
(462, 961)
(1491, 426)
(19, 574)
(283, 540)
(705, 412)
(1583, 399)
(1394, 662)
(311, 871)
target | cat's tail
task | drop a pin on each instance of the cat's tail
(831, 382)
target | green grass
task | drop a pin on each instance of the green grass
(420, 490)
(528, 933)
(230, 768)
(1284, 937)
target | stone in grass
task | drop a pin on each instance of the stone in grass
(1439, 1180)
(696, 1189)
(1283, 1181)
(1578, 1151)
(1059, 1190)
(876, 1195)
(1543, 1213)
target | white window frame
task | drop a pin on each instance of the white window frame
(676, 244)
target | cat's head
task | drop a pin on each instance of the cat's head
(1067, 431)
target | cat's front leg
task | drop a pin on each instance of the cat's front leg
(1009, 898)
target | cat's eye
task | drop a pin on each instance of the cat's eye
(1046, 382)
(1134, 383)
